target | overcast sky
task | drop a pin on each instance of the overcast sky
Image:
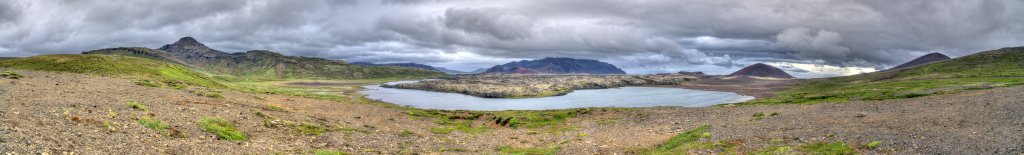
(807, 38)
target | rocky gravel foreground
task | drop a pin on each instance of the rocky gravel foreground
(59, 113)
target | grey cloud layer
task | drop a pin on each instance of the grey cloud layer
(646, 35)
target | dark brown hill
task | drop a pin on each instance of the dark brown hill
(928, 58)
(762, 70)
(557, 66)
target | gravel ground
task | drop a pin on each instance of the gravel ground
(58, 113)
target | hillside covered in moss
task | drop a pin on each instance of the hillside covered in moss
(984, 70)
(262, 64)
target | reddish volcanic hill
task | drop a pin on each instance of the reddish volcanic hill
(762, 70)
(929, 58)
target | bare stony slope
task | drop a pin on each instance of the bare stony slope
(63, 113)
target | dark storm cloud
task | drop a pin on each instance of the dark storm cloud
(642, 36)
(9, 12)
(497, 24)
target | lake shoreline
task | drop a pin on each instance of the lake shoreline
(619, 97)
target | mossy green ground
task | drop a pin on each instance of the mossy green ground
(153, 123)
(462, 121)
(699, 139)
(329, 152)
(998, 68)
(693, 139)
(509, 150)
(834, 148)
(114, 66)
(11, 75)
(137, 106)
(266, 65)
(222, 128)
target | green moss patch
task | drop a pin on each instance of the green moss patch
(835, 148)
(222, 128)
(551, 150)
(11, 75)
(153, 123)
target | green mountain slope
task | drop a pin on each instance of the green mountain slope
(115, 66)
(997, 68)
(263, 65)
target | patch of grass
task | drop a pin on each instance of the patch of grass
(446, 149)
(985, 70)
(112, 114)
(873, 144)
(207, 94)
(761, 115)
(551, 150)
(223, 129)
(442, 130)
(552, 120)
(153, 123)
(349, 129)
(264, 115)
(309, 129)
(137, 106)
(581, 135)
(11, 75)
(694, 139)
(147, 83)
(214, 95)
(685, 138)
(406, 133)
(329, 152)
(835, 148)
(107, 125)
(776, 150)
(272, 107)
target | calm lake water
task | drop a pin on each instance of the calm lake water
(615, 97)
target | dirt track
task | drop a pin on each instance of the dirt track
(58, 112)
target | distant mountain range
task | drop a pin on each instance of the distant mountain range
(421, 66)
(450, 71)
(261, 63)
(762, 70)
(928, 58)
(412, 65)
(556, 66)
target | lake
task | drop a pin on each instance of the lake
(615, 97)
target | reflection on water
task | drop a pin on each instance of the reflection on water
(616, 97)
